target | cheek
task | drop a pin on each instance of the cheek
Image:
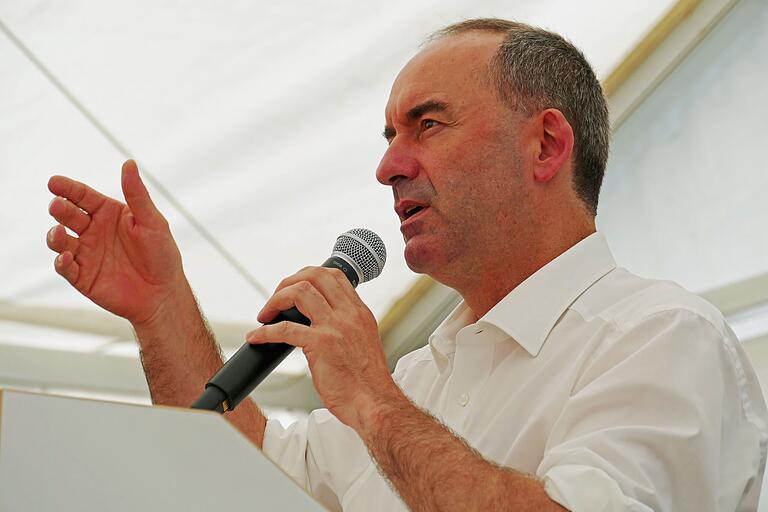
(480, 172)
(484, 147)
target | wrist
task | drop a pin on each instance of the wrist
(175, 304)
(374, 410)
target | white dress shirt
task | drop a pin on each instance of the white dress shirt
(619, 393)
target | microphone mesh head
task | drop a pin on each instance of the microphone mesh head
(365, 248)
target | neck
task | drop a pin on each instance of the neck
(503, 270)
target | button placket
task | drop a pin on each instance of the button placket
(472, 362)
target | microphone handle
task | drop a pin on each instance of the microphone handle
(252, 363)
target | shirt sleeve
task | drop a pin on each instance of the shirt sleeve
(320, 454)
(659, 420)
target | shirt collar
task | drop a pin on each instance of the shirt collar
(529, 312)
(443, 339)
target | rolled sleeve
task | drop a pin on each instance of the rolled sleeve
(656, 421)
(287, 447)
(582, 487)
(320, 454)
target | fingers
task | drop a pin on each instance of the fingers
(307, 299)
(137, 196)
(67, 267)
(65, 264)
(68, 214)
(59, 241)
(79, 193)
(282, 332)
(330, 282)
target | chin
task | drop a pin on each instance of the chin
(424, 258)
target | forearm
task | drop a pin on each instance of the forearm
(433, 469)
(430, 467)
(179, 354)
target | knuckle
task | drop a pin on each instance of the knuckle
(337, 274)
(313, 272)
(282, 327)
(64, 205)
(305, 286)
(78, 192)
(64, 271)
(163, 222)
(329, 338)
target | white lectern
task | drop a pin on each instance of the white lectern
(68, 454)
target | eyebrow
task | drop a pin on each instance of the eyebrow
(415, 113)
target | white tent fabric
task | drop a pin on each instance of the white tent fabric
(261, 120)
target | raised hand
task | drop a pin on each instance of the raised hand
(124, 258)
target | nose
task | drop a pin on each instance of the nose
(398, 163)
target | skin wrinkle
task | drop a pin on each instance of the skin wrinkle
(415, 113)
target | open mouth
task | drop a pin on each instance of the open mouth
(413, 210)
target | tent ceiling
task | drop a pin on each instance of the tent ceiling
(262, 120)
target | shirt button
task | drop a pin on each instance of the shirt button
(463, 399)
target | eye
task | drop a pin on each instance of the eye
(426, 124)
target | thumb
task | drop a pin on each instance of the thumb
(137, 196)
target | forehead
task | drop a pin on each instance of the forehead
(450, 69)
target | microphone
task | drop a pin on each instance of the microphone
(360, 254)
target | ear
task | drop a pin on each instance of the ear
(555, 144)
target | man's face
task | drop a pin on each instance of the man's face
(453, 160)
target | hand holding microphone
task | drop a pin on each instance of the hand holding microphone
(316, 305)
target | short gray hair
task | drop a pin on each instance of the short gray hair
(535, 69)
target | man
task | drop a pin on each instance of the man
(561, 381)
